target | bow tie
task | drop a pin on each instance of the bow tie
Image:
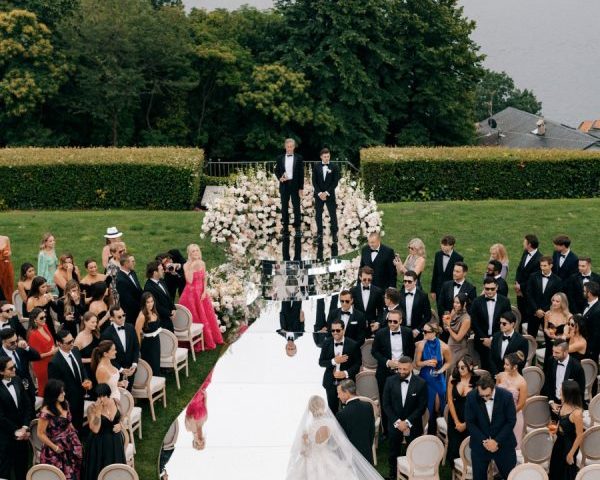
(490, 299)
(120, 328)
(506, 337)
(457, 285)
(288, 156)
(545, 276)
(446, 255)
(10, 384)
(409, 293)
(562, 255)
(325, 165)
(585, 276)
(404, 381)
(345, 314)
(366, 288)
(396, 333)
(341, 344)
(561, 364)
(374, 251)
(490, 400)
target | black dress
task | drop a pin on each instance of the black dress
(565, 437)
(150, 347)
(78, 311)
(455, 437)
(86, 353)
(103, 448)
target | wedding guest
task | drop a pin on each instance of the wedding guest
(494, 267)
(574, 284)
(7, 273)
(380, 258)
(357, 419)
(355, 323)
(40, 298)
(24, 283)
(117, 249)
(443, 265)
(577, 341)
(528, 265)
(99, 295)
(498, 253)
(66, 271)
(105, 445)
(147, 328)
(591, 317)
(42, 341)
(71, 307)
(458, 325)
(556, 323)
(368, 298)
(325, 178)
(414, 303)
(172, 262)
(511, 380)
(92, 276)
(60, 444)
(196, 297)
(541, 287)
(129, 288)
(414, 262)
(47, 261)
(289, 170)
(451, 288)
(10, 319)
(563, 367)
(103, 369)
(15, 416)
(88, 339)
(505, 342)
(112, 235)
(564, 261)
(125, 339)
(22, 354)
(391, 300)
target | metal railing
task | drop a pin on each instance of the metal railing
(217, 168)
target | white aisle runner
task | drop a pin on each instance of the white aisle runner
(255, 401)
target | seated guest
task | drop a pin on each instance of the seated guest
(24, 284)
(22, 354)
(99, 296)
(452, 288)
(556, 323)
(10, 319)
(60, 444)
(40, 298)
(92, 276)
(458, 326)
(126, 342)
(577, 341)
(355, 323)
(104, 371)
(414, 304)
(563, 367)
(381, 259)
(493, 270)
(41, 340)
(574, 284)
(499, 254)
(88, 339)
(71, 308)
(147, 328)
(507, 341)
(513, 381)
(443, 265)
(368, 298)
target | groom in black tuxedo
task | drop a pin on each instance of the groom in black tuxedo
(289, 170)
(325, 178)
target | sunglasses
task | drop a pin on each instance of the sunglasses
(504, 323)
(8, 310)
(43, 317)
(425, 332)
(408, 281)
(12, 342)
(393, 322)
(337, 330)
(571, 324)
(11, 368)
(489, 289)
(345, 301)
(70, 342)
(120, 316)
(462, 367)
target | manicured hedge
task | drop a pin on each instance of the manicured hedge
(74, 178)
(474, 173)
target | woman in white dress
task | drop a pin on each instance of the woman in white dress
(321, 450)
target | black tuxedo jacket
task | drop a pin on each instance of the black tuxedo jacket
(574, 290)
(327, 184)
(569, 266)
(129, 295)
(352, 366)
(25, 358)
(59, 369)
(289, 317)
(535, 297)
(445, 297)
(515, 344)
(500, 428)
(164, 304)
(385, 274)
(357, 327)
(421, 309)
(439, 275)
(574, 371)
(382, 348)
(12, 417)
(17, 326)
(414, 406)
(375, 306)
(502, 286)
(479, 315)
(131, 354)
(382, 320)
(592, 327)
(525, 271)
(358, 421)
(297, 182)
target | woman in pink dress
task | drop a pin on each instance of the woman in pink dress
(513, 381)
(197, 300)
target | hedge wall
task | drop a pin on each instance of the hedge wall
(73, 178)
(475, 173)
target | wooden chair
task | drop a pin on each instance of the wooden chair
(171, 436)
(528, 471)
(517, 315)
(591, 472)
(18, 302)
(368, 360)
(172, 356)
(534, 376)
(129, 449)
(462, 468)
(366, 385)
(422, 460)
(186, 330)
(377, 415)
(145, 385)
(118, 471)
(590, 370)
(536, 447)
(536, 412)
(594, 410)
(531, 350)
(36, 443)
(45, 472)
(590, 447)
(130, 414)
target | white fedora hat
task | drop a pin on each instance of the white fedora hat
(113, 232)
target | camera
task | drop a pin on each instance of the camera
(170, 268)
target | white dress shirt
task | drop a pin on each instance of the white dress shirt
(345, 316)
(338, 350)
(396, 344)
(325, 169)
(457, 289)
(12, 391)
(491, 306)
(67, 358)
(489, 406)
(544, 282)
(445, 260)
(562, 257)
(289, 166)
(590, 305)
(404, 388)
(121, 335)
(374, 254)
(504, 344)
(366, 294)
(159, 285)
(13, 355)
(561, 369)
(409, 305)
(529, 257)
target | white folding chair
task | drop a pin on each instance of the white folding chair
(186, 330)
(36, 443)
(531, 350)
(366, 385)
(422, 460)
(528, 471)
(45, 472)
(536, 412)
(368, 360)
(129, 449)
(590, 447)
(540, 353)
(536, 447)
(590, 370)
(377, 415)
(534, 376)
(462, 468)
(591, 472)
(18, 302)
(514, 309)
(131, 416)
(172, 356)
(147, 386)
(118, 471)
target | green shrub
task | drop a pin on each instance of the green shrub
(100, 178)
(475, 173)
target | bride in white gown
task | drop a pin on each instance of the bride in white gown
(321, 450)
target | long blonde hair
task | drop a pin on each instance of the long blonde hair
(564, 304)
(45, 238)
(192, 245)
(502, 253)
(418, 245)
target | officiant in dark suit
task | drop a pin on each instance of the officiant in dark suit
(368, 298)
(289, 170)
(157, 287)
(129, 288)
(381, 259)
(325, 178)
(291, 317)
(126, 342)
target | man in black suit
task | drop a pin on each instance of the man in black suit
(289, 170)
(381, 259)
(563, 367)
(506, 341)
(575, 283)
(129, 288)
(22, 354)
(485, 319)
(157, 287)
(591, 317)
(414, 303)
(355, 323)
(124, 337)
(451, 288)
(494, 267)
(368, 298)
(443, 264)
(541, 287)
(391, 301)
(357, 419)
(490, 416)
(16, 413)
(172, 262)
(565, 262)
(10, 319)
(404, 403)
(528, 265)
(325, 178)
(291, 317)
(66, 366)
(341, 358)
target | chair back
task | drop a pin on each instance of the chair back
(366, 385)
(17, 301)
(480, 371)
(536, 412)
(125, 403)
(424, 456)
(536, 446)
(36, 443)
(183, 318)
(590, 448)
(591, 472)
(434, 316)
(534, 376)
(118, 471)
(515, 310)
(45, 472)
(531, 350)
(368, 360)
(464, 452)
(373, 403)
(168, 345)
(171, 435)
(143, 375)
(590, 370)
(528, 471)
(594, 409)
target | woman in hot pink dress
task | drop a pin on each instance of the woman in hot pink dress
(197, 300)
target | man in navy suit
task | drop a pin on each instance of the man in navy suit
(564, 260)
(443, 264)
(325, 178)
(381, 259)
(491, 416)
(289, 170)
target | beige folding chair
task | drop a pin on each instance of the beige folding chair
(131, 416)
(45, 472)
(377, 415)
(442, 430)
(539, 356)
(18, 302)
(145, 385)
(531, 350)
(172, 356)
(591, 472)
(366, 385)
(462, 468)
(517, 315)
(590, 447)
(536, 447)
(368, 360)
(171, 436)
(422, 460)
(528, 471)
(129, 449)
(39, 401)
(186, 330)
(590, 370)
(594, 410)
(536, 412)
(118, 471)
(480, 371)
(36, 443)
(534, 376)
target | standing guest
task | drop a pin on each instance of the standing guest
(125, 339)
(92, 276)
(443, 265)
(325, 178)
(103, 369)
(15, 415)
(66, 271)
(498, 253)
(41, 340)
(60, 444)
(289, 170)
(39, 297)
(22, 354)
(357, 419)
(87, 340)
(451, 288)
(591, 317)
(112, 235)
(563, 367)
(24, 283)
(355, 323)
(129, 288)
(577, 341)
(564, 261)
(368, 298)
(511, 380)
(541, 287)
(197, 299)
(490, 415)
(569, 434)
(574, 284)
(494, 268)
(105, 445)
(10, 319)
(505, 342)
(71, 307)
(414, 262)
(165, 306)
(414, 304)
(147, 328)
(458, 326)
(66, 366)
(47, 261)
(381, 259)
(341, 359)
(99, 296)
(117, 249)
(7, 273)
(391, 300)
(463, 380)
(528, 265)
(404, 402)
(172, 262)
(556, 323)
